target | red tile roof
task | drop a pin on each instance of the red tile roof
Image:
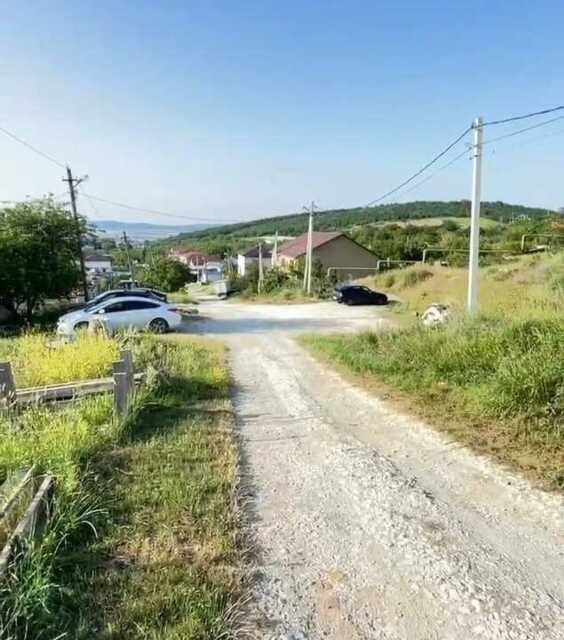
(297, 247)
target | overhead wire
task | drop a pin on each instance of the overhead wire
(519, 131)
(432, 175)
(423, 169)
(522, 117)
(32, 148)
(154, 211)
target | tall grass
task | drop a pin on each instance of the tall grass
(501, 379)
(38, 358)
(531, 286)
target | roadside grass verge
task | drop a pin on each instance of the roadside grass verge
(290, 295)
(496, 384)
(160, 492)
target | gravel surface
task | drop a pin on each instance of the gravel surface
(368, 523)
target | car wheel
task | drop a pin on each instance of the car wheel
(81, 326)
(158, 325)
(348, 302)
(382, 299)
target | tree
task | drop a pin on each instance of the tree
(165, 273)
(38, 254)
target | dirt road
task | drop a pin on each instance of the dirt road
(369, 524)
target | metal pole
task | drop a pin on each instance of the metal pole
(129, 263)
(473, 264)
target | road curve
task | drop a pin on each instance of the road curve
(369, 524)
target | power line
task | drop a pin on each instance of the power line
(519, 131)
(523, 117)
(32, 148)
(155, 211)
(424, 168)
(442, 168)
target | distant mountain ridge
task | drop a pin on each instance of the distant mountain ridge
(145, 230)
(341, 219)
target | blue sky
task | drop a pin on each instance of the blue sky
(237, 110)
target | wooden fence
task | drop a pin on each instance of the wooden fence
(28, 492)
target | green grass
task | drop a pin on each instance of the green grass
(181, 297)
(161, 492)
(286, 295)
(495, 383)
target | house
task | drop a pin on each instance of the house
(251, 257)
(205, 268)
(332, 249)
(97, 264)
(192, 259)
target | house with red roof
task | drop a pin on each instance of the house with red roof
(332, 249)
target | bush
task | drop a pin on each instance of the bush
(415, 276)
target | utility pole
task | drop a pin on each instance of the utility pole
(261, 270)
(129, 263)
(74, 182)
(473, 264)
(274, 258)
(309, 248)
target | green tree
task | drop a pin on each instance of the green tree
(165, 273)
(38, 254)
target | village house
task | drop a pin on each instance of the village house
(97, 264)
(332, 249)
(204, 268)
(251, 257)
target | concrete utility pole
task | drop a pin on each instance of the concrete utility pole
(74, 182)
(274, 258)
(473, 264)
(309, 248)
(129, 263)
(261, 270)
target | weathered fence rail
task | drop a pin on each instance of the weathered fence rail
(11, 395)
(32, 522)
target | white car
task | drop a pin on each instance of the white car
(123, 313)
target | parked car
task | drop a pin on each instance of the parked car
(140, 292)
(130, 312)
(356, 294)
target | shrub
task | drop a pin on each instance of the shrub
(415, 276)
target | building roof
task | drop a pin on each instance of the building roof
(253, 252)
(98, 258)
(296, 248)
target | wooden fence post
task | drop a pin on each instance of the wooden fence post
(127, 357)
(121, 387)
(7, 384)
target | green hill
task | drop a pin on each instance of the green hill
(335, 219)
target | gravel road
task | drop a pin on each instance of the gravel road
(368, 523)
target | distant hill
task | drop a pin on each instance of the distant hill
(340, 219)
(141, 231)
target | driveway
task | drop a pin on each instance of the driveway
(368, 524)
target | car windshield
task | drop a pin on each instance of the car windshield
(94, 302)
